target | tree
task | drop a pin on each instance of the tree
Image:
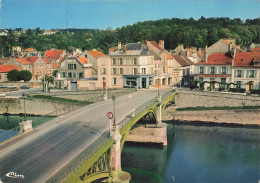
(54, 73)
(13, 75)
(25, 75)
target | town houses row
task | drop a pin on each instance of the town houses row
(142, 65)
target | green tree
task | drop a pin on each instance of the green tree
(25, 75)
(54, 73)
(13, 75)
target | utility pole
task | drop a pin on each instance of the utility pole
(114, 106)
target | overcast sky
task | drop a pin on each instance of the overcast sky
(100, 14)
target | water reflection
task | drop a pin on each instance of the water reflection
(197, 154)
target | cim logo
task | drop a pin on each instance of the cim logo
(14, 175)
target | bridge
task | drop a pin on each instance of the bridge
(79, 147)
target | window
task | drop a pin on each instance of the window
(80, 75)
(201, 70)
(224, 70)
(212, 70)
(74, 75)
(114, 81)
(120, 61)
(223, 80)
(114, 61)
(114, 71)
(121, 71)
(251, 73)
(143, 70)
(239, 83)
(135, 70)
(163, 69)
(238, 73)
(63, 74)
(103, 70)
(135, 61)
(155, 72)
(69, 75)
(201, 79)
(0, 76)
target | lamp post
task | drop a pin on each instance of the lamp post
(158, 86)
(114, 106)
(24, 97)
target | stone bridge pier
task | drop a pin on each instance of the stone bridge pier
(117, 175)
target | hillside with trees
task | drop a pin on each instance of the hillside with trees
(190, 32)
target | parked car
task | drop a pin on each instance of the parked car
(25, 87)
(11, 86)
(2, 86)
(2, 94)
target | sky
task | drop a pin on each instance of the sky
(100, 14)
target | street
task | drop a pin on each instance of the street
(58, 141)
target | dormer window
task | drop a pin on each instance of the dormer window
(215, 59)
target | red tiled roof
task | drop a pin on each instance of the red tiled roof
(83, 60)
(157, 46)
(96, 53)
(53, 54)
(32, 59)
(217, 59)
(7, 68)
(212, 75)
(255, 49)
(169, 56)
(246, 59)
(181, 60)
(55, 65)
(46, 60)
(29, 50)
(23, 60)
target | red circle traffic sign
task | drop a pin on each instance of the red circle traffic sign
(110, 115)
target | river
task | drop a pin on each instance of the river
(197, 154)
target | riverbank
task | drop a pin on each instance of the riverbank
(250, 117)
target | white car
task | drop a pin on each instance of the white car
(2, 94)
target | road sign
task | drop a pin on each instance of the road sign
(110, 115)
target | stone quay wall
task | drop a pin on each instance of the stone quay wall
(35, 106)
(238, 116)
(193, 98)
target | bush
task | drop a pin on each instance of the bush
(237, 90)
(254, 91)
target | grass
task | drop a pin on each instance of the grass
(61, 99)
(201, 108)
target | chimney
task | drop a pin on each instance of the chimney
(234, 56)
(124, 49)
(206, 54)
(119, 45)
(161, 43)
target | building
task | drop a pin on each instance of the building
(161, 60)
(92, 57)
(54, 56)
(40, 67)
(217, 67)
(22, 63)
(4, 69)
(131, 66)
(246, 69)
(73, 69)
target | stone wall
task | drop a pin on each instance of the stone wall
(35, 106)
(239, 116)
(192, 98)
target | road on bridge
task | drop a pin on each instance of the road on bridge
(53, 144)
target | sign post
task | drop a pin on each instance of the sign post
(110, 116)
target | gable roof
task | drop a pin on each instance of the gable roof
(7, 68)
(217, 59)
(23, 61)
(180, 59)
(53, 54)
(83, 60)
(246, 59)
(33, 59)
(95, 54)
(157, 46)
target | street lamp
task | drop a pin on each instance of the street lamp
(158, 86)
(24, 97)
(114, 106)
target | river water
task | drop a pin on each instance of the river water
(197, 154)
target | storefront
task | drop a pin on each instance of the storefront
(141, 81)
